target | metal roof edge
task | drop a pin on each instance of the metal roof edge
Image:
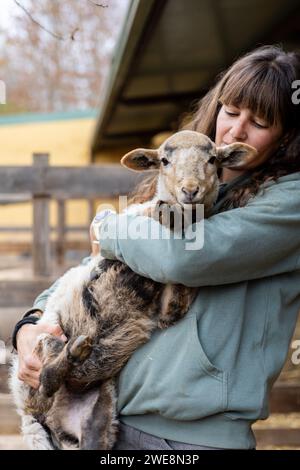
(28, 118)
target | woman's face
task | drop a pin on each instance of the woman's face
(236, 124)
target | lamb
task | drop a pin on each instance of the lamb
(107, 311)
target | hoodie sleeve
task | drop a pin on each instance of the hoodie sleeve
(261, 239)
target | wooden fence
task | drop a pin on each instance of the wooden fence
(41, 183)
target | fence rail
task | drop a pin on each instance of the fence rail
(41, 183)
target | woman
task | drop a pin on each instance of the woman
(202, 383)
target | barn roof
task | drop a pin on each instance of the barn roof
(169, 52)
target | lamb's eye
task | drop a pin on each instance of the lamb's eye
(165, 162)
(212, 160)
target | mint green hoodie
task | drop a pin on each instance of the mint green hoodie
(206, 379)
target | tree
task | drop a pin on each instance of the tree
(57, 53)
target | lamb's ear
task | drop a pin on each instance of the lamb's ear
(141, 160)
(235, 155)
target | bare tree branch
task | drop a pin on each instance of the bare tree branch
(73, 34)
(55, 35)
(98, 4)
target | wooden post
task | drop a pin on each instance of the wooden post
(91, 209)
(41, 223)
(61, 230)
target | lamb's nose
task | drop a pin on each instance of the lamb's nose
(190, 193)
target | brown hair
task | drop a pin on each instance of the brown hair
(262, 82)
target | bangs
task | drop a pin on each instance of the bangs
(260, 89)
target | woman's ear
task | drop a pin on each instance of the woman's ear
(141, 160)
(235, 155)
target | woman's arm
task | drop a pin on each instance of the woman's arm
(25, 336)
(34, 314)
(255, 241)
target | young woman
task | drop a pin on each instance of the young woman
(202, 383)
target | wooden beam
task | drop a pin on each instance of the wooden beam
(16, 293)
(285, 398)
(23, 246)
(277, 437)
(93, 181)
(23, 228)
(6, 199)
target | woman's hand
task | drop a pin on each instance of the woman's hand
(30, 365)
(94, 243)
(94, 228)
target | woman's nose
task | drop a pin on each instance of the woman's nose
(238, 131)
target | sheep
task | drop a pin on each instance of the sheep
(107, 311)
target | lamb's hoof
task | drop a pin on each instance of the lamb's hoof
(80, 349)
(163, 324)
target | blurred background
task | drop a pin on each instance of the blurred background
(86, 81)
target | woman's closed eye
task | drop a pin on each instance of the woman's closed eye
(231, 113)
(260, 125)
(254, 121)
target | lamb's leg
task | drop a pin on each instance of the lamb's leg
(175, 303)
(55, 372)
(112, 352)
(100, 426)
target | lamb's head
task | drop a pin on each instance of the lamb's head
(187, 163)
